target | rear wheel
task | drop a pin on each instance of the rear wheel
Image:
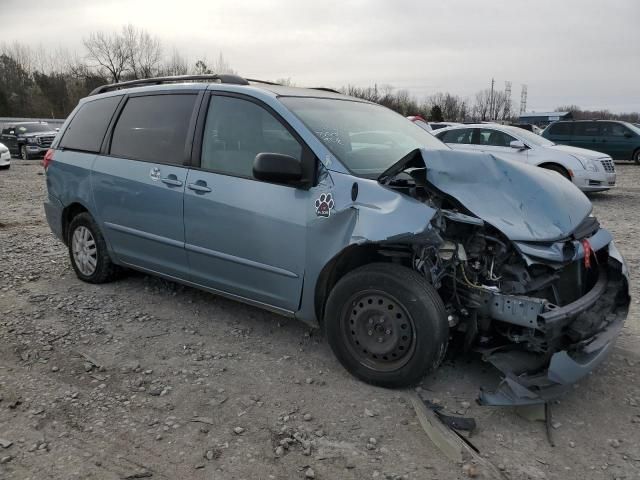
(386, 325)
(88, 251)
(557, 168)
(636, 156)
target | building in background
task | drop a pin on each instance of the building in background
(542, 119)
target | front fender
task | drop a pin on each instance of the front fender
(376, 214)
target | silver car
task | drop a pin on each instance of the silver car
(590, 171)
(5, 157)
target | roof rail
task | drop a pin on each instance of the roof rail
(266, 82)
(222, 78)
(325, 89)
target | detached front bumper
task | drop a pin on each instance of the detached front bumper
(531, 378)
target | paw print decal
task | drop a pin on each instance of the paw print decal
(324, 205)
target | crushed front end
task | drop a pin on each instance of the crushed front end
(528, 277)
(543, 313)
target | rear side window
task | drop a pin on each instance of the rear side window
(154, 128)
(585, 129)
(458, 135)
(88, 126)
(494, 138)
(561, 128)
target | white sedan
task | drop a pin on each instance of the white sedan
(590, 171)
(5, 157)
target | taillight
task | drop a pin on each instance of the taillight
(48, 158)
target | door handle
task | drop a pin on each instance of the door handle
(172, 181)
(199, 187)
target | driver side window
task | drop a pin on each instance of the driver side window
(236, 130)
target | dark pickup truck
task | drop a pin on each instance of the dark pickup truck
(28, 139)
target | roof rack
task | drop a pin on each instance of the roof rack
(222, 78)
(266, 82)
(325, 89)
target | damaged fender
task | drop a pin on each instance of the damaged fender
(367, 213)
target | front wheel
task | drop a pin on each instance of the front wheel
(636, 156)
(386, 325)
(561, 170)
(23, 152)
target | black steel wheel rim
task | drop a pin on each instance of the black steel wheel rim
(378, 331)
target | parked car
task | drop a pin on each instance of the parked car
(590, 171)
(421, 122)
(340, 213)
(528, 126)
(28, 139)
(620, 140)
(5, 157)
(439, 125)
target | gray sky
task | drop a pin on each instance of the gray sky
(584, 52)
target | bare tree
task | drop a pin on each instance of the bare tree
(108, 54)
(144, 51)
(176, 64)
(482, 107)
(201, 68)
(223, 66)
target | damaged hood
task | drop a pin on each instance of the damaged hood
(525, 203)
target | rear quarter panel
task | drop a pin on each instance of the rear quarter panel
(68, 181)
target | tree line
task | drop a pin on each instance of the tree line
(47, 83)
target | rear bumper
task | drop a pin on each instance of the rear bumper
(532, 379)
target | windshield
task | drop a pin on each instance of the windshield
(365, 137)
(530, 137)
(33, 127)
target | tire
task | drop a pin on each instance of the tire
(636, 156)
(90, 243)
(23, 153)
(557, 168)
(5, 167)
(386, 325)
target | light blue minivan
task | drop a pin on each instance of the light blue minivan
(343, 214)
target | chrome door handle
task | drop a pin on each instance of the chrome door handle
(172, 181)
(199, 186)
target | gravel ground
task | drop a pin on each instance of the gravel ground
(146, 378)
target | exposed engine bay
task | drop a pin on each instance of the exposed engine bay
(519, 303)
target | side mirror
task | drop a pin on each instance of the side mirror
(517, 144)
(628, 134)
(277, 168)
